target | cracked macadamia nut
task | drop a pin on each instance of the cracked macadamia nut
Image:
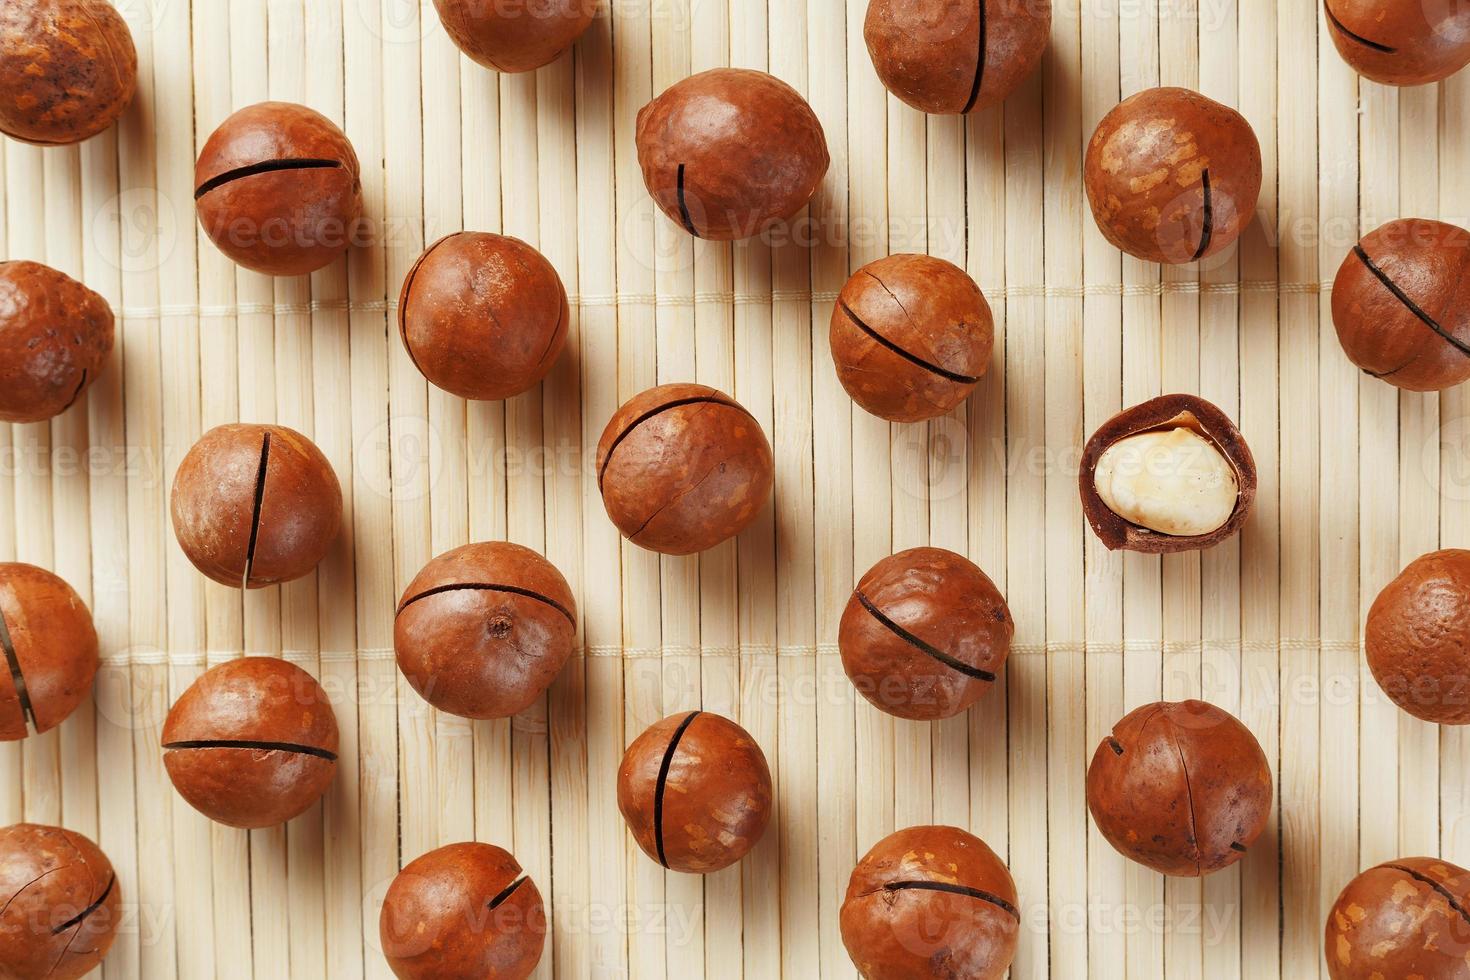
(1418, 638)
(463, 911)
(696, 792)
(255, 505)
(278, 189)
(1401, 42)
(515, 35)
(1401, 304)
(956, 56)
(1181, 787)
(683, 467)
(68, 69)
(931, 902)
(911, 335)
(484, 629)
(729, 151)
(252, 743)
(50, 649)
(925, 634)
(483, 316)
(1172, 474)
(1408, 918)
(55, 337)
(1173, 176)
(60, 903)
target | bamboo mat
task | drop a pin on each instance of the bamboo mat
(1356, 479)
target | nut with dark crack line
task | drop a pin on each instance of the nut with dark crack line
(60, 903)
(1400, 42)
(50, 650)
(1404, 918)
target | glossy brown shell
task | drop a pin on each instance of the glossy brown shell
(1401, 304)
(1166, 412)
(910, 335)
(1418, 638)
(931, 902)
(515, 36)
(955, 56)
(251, 743)
(1181, 787)
(484, 629)
(264, 487)
(925, 634)
(1401, 42)
(696, 792)
(483, 316)
(1403, 918)
(729, 151)
(68, 69)
(60, 903)
(1173, 176)
(683, 467)
(462, 911)
(49, 647)
(55, 338)
(278, 189)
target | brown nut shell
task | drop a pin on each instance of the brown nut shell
(483, 316)
(911, 335)
(278, 189)
(683, 467)
(252, 743)
(55, 336)
(484, 629)
(1173, 176)
(931, 902)
(1403, 918)
(1417, 638)
(696, 792)
(1401, 304)
(515, 36)
(50, 650)
(68, 69)
(60, 903)
(1166, 412)
(956, 56)
(925, 634)
(1181, 787)
(461, 912)
(729, 151)
(255, 505)
(1401, 42)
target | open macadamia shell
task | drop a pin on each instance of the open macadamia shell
(251, 743)
(1417, 638)
(911, 335)
(483, 316)
(278, 189)
(696, 792)
(68, 69)
(729, 151)
(1401, 304)
(925, 634)
(1407, 918)
(1173, 176)
(1401, 42)
(463, 911)
(484, 629)
(944, 56)
(50, 650)
(683, 467)
(1163, 414)
(515, 36)
(55, 337)
(931, 902)
(60, 903)
(1181, 787)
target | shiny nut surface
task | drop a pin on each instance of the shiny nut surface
(60, 903)
(1173, 481)
(1400, 42)
(1404, 918)
(515, 37)
(55, 338)
(1417, 638)
(50, 650)
(68, 69)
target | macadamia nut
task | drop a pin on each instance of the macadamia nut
(1172, 481)
(1406, 918)
(1417, 638)
(1401, 42)
(515, 36)
(55, 338)
(49, 650)
(60, 903)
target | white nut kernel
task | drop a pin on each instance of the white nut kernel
(1170, 481)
